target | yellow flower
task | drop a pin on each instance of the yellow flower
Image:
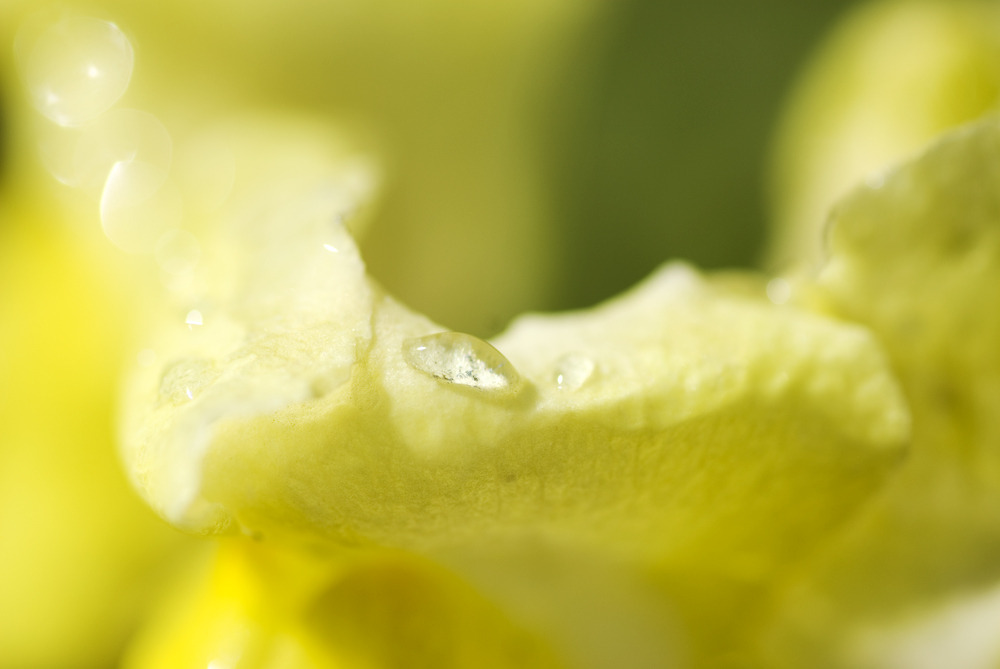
(709, 470)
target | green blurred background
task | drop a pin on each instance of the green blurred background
(663, 152)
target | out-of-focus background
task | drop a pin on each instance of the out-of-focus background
(663, 151)
(649, 121)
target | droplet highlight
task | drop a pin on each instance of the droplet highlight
(194, 318)
(876, 179)
(138, 206)
(183, 379)
(463, 360)
(83, 157)
(75, 67)
(779, 291)
(120, 135)
(572, 371)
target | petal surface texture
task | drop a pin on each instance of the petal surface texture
(916, 258)
(689, 433)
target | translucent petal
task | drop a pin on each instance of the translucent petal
(917, 259)
(716, 437)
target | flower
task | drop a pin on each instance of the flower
(711, 469)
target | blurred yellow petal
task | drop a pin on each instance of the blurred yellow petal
(892, 76)
(263, 606)
(690, 428)
(916, 258)
(76, 547)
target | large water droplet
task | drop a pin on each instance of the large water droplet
(138, 206)
(183, 379)
(57, 149)
(75, 68)
(463, 360)
(779, 291)
(572, 371)
(83, 157)
(120, 135)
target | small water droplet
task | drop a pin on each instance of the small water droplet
(138, 206)
(876, 179)
(119, 135)
(779, 291)
(75, 68)
(193, 318)
(182, 380)
(331, 248)
(572, 371)
(57, 150)
(462, 359)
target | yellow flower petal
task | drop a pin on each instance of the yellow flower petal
(917, 259)
(263, 606)
(890, 78)
(687, 427)
(77, 549)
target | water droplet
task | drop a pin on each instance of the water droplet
(331, 248)
(184, 378)
(178, 252)
(360, 177)
(75, 68)
(463, 360)
(779, 291)
(876, 179)
(193, 318)
(57, 150)
(119, 135)
(138, 206)
(572, 371)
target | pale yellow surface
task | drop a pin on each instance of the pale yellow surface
(706, 471)
(713, 438)
(452, 95)
(77, 548)
(890, 77)
(916, 259)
